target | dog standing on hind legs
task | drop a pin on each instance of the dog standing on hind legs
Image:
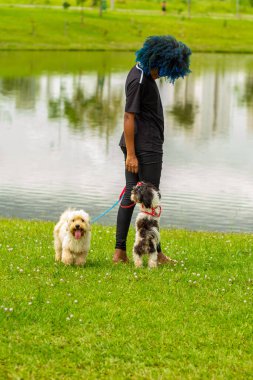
(147, 235)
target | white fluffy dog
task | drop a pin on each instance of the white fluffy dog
(72, 235)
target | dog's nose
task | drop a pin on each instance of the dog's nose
(77, 225)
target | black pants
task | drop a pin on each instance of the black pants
(150, 167)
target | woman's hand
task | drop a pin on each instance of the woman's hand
(132, 163)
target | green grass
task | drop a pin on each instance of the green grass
(115, 322)
(173, 6)
(40, 29)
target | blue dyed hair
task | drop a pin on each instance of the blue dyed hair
(170, 57)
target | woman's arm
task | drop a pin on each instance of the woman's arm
(131, 160)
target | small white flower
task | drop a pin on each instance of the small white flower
(61, 279)
(21, 270)
(81, 277)
(230, 279)
(48, 301)
(198, 274)
(69, 294)
(10, 309)
(190, 281)
(80, 320)
(195, 282)
(30, 303)
(71, 315)
(76, 301)
(67, 319)
(245, 301)
(6, 309)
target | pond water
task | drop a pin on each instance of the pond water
(61, 117)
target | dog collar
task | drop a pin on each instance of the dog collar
(153, 211)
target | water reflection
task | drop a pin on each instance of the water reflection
(63, 127)
(184, 108)
(23, 90)
(99, 109)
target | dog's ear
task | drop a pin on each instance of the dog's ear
(88, 225)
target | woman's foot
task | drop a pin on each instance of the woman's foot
(162, 259)
(120, 256)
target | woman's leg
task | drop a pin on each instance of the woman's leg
(150, 167)
(125, 213)
(150, 171)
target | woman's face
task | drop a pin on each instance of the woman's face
(154, 73)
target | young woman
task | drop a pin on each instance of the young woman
(143, 136)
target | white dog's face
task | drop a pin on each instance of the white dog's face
(78, 224)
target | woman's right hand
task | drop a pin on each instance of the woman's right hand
(132, 164)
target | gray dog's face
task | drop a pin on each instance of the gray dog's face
(145, 194)
(78, 224)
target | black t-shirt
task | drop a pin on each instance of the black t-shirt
(143, 99)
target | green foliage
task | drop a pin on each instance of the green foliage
(65, 5)
(113, 322)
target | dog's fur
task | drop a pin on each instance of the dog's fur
(72, 235)
(147, 235)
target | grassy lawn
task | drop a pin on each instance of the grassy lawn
(116, 322)
(40, 29)
(173, 6)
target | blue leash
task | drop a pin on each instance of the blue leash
(105, 212)
(109, 209)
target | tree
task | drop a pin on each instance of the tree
(189, 8)
(81, 3)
